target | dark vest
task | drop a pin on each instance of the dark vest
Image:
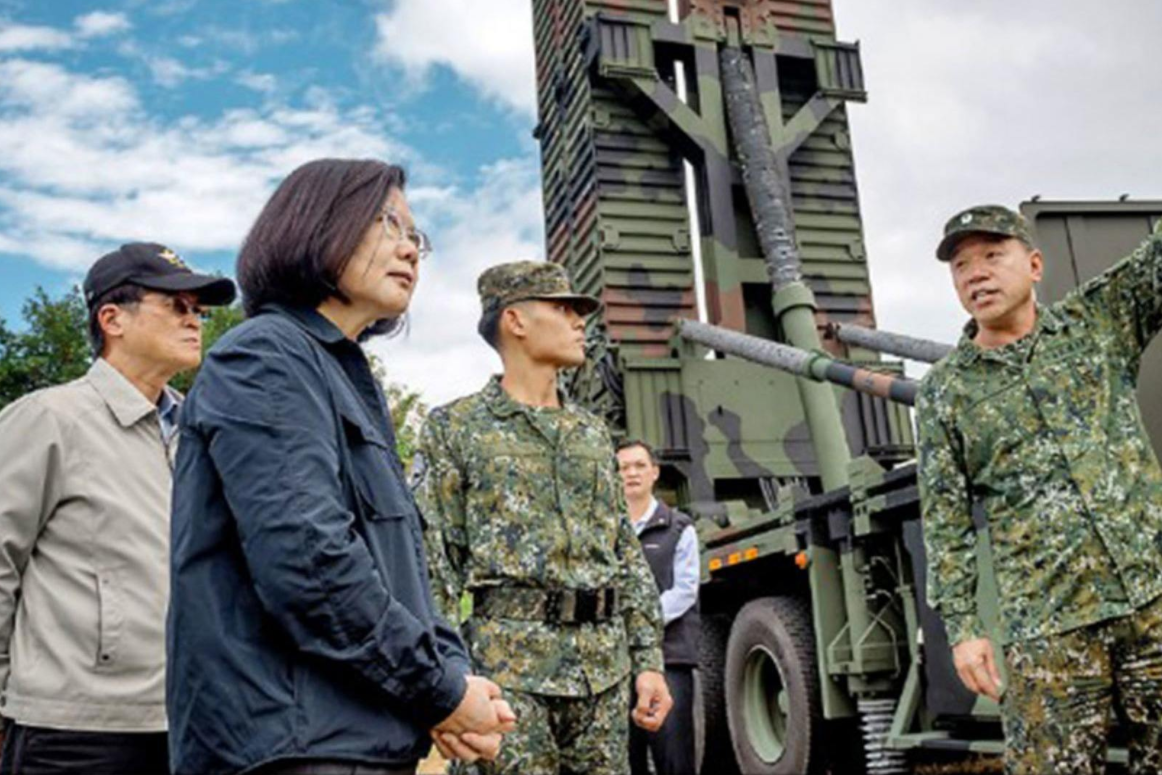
(659, 539)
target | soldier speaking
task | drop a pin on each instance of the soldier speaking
(528, 519)
(1033, 421)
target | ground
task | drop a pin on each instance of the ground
(976, 765)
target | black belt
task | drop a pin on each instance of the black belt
(553, 606)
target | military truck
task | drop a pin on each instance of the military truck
(699, 178)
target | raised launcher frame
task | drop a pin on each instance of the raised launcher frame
(734, 436)
(614, 137)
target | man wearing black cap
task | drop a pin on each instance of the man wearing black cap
(1032, 424)
(85, 476)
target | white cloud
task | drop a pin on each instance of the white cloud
(493, 51)
(259, 82)
(991, 101)
(37, 88)
(20, 37)
(84, 166)
(171, 73)
(101, 23)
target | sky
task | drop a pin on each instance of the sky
(173, 120)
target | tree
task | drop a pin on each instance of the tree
(53, 349)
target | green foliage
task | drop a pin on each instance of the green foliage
(408, 412)
(52, 350)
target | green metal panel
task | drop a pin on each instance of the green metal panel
(614, 137)
(1080, 241)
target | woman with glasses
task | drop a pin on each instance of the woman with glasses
(302, 637)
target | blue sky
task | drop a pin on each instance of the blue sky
(210, 66)
(172, 120)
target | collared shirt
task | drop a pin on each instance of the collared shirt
(1044, 437)
(682, 596)
(84, 556)
(521, 497)
(168, 408)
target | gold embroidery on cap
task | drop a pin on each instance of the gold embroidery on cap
(172, 258)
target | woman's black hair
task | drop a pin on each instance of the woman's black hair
(309, 229)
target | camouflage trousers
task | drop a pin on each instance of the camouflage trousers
(566, 735)
(1064, 691)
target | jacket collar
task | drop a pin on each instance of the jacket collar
(501, 404)
(119, 394)
(309, 320)
(662, 517)
(1048, 320)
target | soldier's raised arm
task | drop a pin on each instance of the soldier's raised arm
(1129, 296)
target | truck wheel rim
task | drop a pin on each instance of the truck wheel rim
(765, 703)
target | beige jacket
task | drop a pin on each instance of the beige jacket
(84, 557)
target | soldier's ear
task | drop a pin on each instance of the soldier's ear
(1036, 265)
(512, 320)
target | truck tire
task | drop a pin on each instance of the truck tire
(717, 755)
(772, 689)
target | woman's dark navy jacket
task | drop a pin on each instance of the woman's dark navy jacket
(301, 621)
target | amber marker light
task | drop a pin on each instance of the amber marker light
(715, 563)
(751, 553)
(802, 561)
(734, 558)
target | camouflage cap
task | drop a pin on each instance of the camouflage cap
(506, 284)
(982, 219)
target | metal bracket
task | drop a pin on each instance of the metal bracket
(839, 71)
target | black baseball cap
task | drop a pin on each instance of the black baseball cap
(157, 268)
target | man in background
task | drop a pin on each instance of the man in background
(671, 547)
(85, 477)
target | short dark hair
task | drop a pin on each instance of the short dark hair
(306, 234)
(631, 443)
(125, 295)
(489, 328)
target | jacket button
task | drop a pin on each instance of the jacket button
(104, 657)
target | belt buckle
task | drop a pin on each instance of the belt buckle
(588, 605)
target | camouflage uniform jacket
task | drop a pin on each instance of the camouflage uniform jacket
(521, 497)
(1045, 438)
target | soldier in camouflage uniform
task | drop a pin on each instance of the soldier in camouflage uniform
(1033, 421)
(526, 515)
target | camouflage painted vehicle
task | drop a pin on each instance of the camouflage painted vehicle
(731, 306)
